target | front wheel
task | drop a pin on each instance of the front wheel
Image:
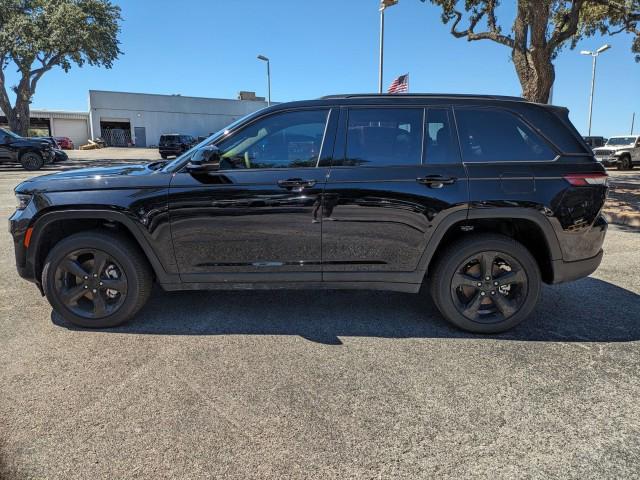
(625, 163)
(486, 283)
(96, 279)
(31, 161)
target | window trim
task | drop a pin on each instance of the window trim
(544, 138)
(242, 126)
(344, 123)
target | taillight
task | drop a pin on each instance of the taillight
(586, 179)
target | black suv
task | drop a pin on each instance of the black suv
(481, 197)
(31, 153)
(174, 144)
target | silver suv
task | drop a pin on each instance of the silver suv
(623, 152)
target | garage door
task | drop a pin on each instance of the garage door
(76, 130)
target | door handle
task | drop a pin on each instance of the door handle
(436, 181)
(297, 184)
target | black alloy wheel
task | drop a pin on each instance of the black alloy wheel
(31, 161)
(485, 283)
(97, 279)
(91, 283)
(489, 287)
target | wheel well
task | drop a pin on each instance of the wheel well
(524, 231)
(60, 229)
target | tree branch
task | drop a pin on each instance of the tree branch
(492, 34)
(568, 27)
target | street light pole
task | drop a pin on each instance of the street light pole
(265, 59)
(384, 4)
(594, 56)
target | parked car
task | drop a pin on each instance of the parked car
(65, 143)
(32, 154)
(175, 144)
(482, 198)
(621, 152)
(595, 142)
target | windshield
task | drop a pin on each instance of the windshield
(172, 164)
(10, 133)
(621, 141)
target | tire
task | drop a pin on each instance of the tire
(31, 161)
(164, 157)
(517, 299)
(625, 163)
(125, 269)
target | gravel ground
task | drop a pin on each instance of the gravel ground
(323, 384)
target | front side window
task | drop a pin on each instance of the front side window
(384, 137)
(494, 135)
(282, 140)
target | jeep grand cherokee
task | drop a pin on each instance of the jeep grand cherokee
(482, 198)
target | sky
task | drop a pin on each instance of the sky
(208, 48)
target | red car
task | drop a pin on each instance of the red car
(65, 143)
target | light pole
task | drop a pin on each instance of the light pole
(265, 59)
(594, 55)
(384, 4)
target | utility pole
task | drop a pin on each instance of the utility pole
(594, 56)
(633, 120)
(265, 59)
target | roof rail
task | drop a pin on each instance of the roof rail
(424, 95)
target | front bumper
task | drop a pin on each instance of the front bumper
(609, 161)
(19, 222)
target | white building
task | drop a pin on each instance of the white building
(138, 119)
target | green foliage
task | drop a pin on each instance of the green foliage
(38, 35)
(59, 32)
(560, 22)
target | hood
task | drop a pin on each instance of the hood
(102, 178)
(31, 142)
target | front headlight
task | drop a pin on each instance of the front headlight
(23, 200)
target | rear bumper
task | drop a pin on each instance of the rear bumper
(170, 150)
(569, 271)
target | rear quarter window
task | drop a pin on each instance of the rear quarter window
(497, 135)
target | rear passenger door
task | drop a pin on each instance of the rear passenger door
(396, 172)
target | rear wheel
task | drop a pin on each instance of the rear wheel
(31, 161)
(486, 284)
(164, 157)
(96, 279)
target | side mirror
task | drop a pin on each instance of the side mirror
(205, 159)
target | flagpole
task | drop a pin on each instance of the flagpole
(381, 64)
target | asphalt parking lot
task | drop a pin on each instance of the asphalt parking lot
(322, 384)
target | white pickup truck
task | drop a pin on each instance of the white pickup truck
(623, 152)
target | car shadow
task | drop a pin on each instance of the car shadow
(589, 310)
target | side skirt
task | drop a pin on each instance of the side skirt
(388, 286)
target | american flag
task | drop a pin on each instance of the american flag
(400, 84)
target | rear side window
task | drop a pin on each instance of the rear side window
(384, 137)
(495, 135)
(441, 146)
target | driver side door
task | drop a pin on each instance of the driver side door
(255, 218)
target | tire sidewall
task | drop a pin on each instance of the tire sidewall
(453, 258)
(113, 247)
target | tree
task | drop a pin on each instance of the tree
(38, 35)
(540, 30)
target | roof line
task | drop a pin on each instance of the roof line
(425, 95)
